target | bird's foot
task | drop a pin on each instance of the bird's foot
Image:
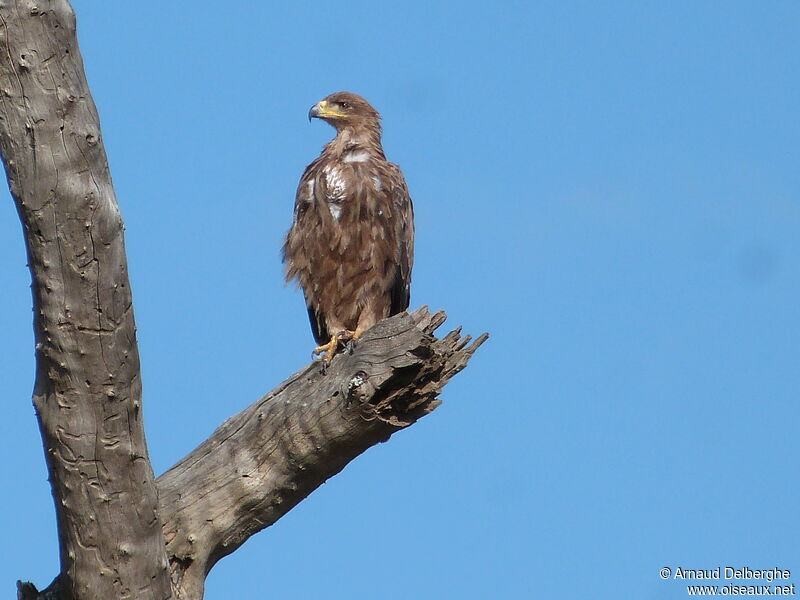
(352, 341)
(329, 350)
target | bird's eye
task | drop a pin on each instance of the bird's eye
(344, 104)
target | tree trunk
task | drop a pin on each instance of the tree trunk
(122, 534)
(87, 392)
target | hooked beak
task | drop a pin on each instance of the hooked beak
(323, 110)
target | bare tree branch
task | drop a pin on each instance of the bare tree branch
(260, 463)
(87, 393)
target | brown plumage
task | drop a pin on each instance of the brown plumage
(351, 244)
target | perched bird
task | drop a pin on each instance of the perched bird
(351, 243)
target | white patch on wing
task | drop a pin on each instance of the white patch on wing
(377, 181)
(336, 210)
(356, 157)
(334, 182)
(310, 191)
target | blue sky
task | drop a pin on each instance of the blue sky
(610, 189)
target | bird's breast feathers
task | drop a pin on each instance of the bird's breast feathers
(336, 186)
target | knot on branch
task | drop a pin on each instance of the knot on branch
(399, 367)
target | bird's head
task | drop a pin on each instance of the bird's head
(344, 110)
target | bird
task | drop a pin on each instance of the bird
(351, 243)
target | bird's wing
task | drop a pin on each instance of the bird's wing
(404, 234)
(296, 255)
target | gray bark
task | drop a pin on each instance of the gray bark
(87, 392)
(260, 463)
(122, 534)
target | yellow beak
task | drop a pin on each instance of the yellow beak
(322, 110)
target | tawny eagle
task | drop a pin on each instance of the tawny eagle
(351, 244)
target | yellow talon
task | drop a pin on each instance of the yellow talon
(332, 346)
(329, 349)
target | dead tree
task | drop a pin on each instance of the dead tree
(122, 532)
